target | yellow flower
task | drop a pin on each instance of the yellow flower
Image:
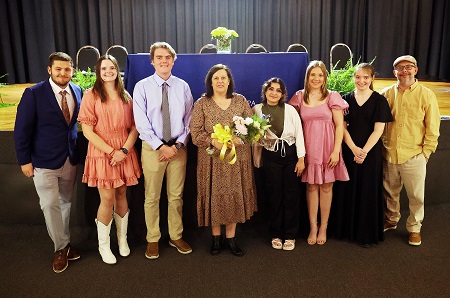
(234, 33)
(224, 33)
(223, 135)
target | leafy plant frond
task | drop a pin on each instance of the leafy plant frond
(84, 79)
(1, 94)
(4, 105)
(341, 80)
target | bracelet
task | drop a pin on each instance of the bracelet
(112, 152)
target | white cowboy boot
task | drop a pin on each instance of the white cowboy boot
(104, 242)
(122, 226)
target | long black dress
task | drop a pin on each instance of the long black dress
(358, 204)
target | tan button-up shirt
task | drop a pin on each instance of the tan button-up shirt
(416, 123)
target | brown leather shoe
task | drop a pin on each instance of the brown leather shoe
(152, 251)
(60, 262)
(181, 246)
(73, 253)
(415, 239)
(389, 226)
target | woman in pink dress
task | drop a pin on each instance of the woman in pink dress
(106, 116)
(322, 116)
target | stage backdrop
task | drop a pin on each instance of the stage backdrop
(32, 29)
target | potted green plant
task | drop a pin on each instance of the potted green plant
(84, 79)
(2, 103)
(342, 80)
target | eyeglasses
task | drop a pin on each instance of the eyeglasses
(407, 67)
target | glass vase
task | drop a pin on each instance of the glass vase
(224, 46)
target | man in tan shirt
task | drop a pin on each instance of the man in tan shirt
(408, 144)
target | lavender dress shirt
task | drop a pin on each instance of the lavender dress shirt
(147, 99)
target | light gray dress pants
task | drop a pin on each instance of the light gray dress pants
(55, 188)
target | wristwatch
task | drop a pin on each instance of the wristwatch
(124, 150)
(178, 145)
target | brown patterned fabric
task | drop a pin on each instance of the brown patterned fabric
(226, 193)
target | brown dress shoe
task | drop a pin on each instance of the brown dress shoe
(389, 226)
(73, 253)
(181, 246)
(415, 239)
(60, 262)
(152, 251)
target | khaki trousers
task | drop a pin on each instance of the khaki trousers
(411, 174)
(154, 171)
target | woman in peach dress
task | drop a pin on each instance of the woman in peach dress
(106, 116)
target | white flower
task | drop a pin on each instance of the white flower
(248, 121)
(235, 118)
(241, 129)
(256, 124)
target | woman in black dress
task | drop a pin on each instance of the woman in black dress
(359, 203)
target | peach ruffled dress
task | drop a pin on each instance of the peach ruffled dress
(112, 121)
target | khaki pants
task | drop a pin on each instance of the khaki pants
(154, 171)
(411, 174)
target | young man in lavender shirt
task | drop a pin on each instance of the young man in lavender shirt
(162, 106)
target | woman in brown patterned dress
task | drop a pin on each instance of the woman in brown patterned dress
(226, 193)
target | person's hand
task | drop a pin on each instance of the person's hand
(359, 154)
(237, 141)
(358, 160)
(117, 158)
(217, 144)
(333, 159)
(167, 153)
(28, 169)
(300, 166)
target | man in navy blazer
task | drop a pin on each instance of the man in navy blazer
(45, 136)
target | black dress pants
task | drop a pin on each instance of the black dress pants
(283, 191)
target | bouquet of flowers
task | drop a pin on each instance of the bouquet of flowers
(224, 34)
(250, 129)
(247, 129)
(223, 136)
(224, 37)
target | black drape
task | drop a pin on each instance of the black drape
(31, 29)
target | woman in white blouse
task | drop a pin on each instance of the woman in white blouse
(283, 162)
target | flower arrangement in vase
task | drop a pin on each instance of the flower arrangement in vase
(223, 37)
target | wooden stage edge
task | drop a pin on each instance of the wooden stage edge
(11, 94)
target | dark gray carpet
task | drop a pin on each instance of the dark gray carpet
(337, 269)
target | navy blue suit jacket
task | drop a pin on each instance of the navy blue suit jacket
(41, 133)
